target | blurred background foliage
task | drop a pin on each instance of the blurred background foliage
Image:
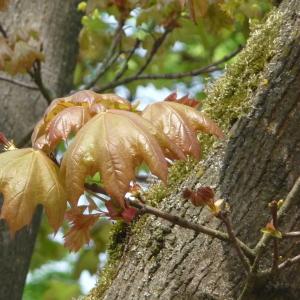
(122, 40)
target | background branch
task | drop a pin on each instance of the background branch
(143, 209)
(203, 70)
(3, 31)
(109, 59)
(19, 83)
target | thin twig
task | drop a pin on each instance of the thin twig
(3, 31)
(203, 70)
(156, 45)
(226, 220)
(109, 59)
(143, 208)
(290, 198)
(274, 208)
(36, 75)
(125, 66)
(289, 262)
(292, 234)
(19, 83)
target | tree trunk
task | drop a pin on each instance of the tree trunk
(259, 163)
(58, 24)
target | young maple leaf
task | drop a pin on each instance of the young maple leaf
(183, 100)
(181, 123)
(114, 146)
(28, 178)
(115, 212)
(70, 120)
(79, 233)
(86, 98)
(170, 149)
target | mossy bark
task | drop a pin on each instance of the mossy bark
(259, 162)
(58, 23)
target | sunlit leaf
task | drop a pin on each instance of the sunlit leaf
(69, 120)
(89, 99)
(183, 100)
(28, 178)
(114, 146)
(170, 150)
(181, 123)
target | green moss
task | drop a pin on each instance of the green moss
(177, 173)
(118, 235)
(230, 97)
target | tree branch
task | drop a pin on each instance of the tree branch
(157, 44)
(19, 83)
(108, 60)
(291, 197)
(36, 75)
(226, 220)
(125, 66)
(274, 208)
(143, 208)
(203, 70)
(292, 234)
(3, 32)
(289, 262)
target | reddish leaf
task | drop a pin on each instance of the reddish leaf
(69, 120)
(115, 212)
(79, 233)
(181, 123)
(183, 100)
(170, 149)
(89, 99)
(114, 146)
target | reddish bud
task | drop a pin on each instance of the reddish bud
(206, 194)
(203, 196)
(187, 193)
(8, 145)
(3, 139)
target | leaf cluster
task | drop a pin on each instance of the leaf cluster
(112, 139)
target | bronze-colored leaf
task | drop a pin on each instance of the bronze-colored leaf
(170, 149)
(79, 233)
(69, 120)
(87, 98)
(114, 146)
(28, 178)
(38, 131)
(181, 123)
(183, 100)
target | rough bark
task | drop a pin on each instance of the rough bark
(58, 24)
(259, 163)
